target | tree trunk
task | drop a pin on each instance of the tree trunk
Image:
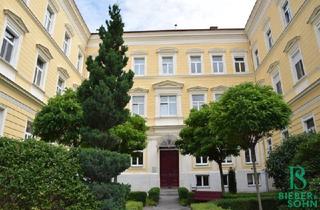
(115, 179)
(221, 177)
(255, 175)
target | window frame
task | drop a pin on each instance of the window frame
(253, 181)
(283, 137)
(268, 37)
(275, 82)
(67, 45)
(190, 63)
(144, 103)
(168, 102)
(204, 161)
(244, 55)
(197, 94)
(224, 66)
(316, 26)
(257, 156)
(269, 146)
(44, 72)
(3, 114)
(137, 159)
(79, 65)
(293, 67)
(202, 180)
(225, 184)
(60, 90)
(161, 56)
(49, 8)
(284, 20)
(145, 65)
(28, 135)
(226, 162)
(256, 58)
(304, 125)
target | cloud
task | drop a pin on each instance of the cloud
(164, 14)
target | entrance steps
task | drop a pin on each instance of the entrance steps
(169, 192)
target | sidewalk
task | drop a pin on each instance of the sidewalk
(168, 203)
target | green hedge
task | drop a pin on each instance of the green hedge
(185, 197)
(249, 203)
(134, 205)
(205, 206)
(154, 194)
(138, 196)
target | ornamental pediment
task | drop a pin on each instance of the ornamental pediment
(63, 72)
(197, 88)
(168, 84)
(219, 88)
(16, 20)
(291, 44)
(167, 50)
(273, 66)
(314, 16)
(139, 90)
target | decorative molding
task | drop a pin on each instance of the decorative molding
(17, 103)
(45, 51)
(291, 43)
(168, 84)
(16, 20)
(261, 82)
(139, 90)
(219, 88)
(167, 141)
(197, 88)
(54, 5)
(217, 50)
(272, 66)
(138, 52)
(239, 50)
(314, 16)
(69, 29)
(167, 50)
(64, 72)
(194, 50)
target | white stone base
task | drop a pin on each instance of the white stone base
(140, 181)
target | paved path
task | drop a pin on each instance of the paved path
(168, 203)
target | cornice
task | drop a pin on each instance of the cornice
(138, 90)
(314, 16)
(197, 88)
(168, 84)
(219, 88)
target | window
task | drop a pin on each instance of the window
(197, 101)
(217, 64)
(217, 96)
(256, 57)
(284, 134)
(2, 118)
(66, 43)
(49, 17)
(28, 133)
(39, 72)
(168, 105)
(9, 45)
(137, 159)
(317, 28)
(79, 61)
(60, 86)
(138, 105)
(225, 180)
(195, 63)
(139, 66)
(309, 125)
(239, 64)
(227, 160)
(167, 65)
(277, 83)
(269, 146)
(286, 13)
(250, 179)
(201, 160)
(248, 156)
(297, 65)
(202, 180)
(269, 39)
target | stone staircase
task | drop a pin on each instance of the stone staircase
(169, 192)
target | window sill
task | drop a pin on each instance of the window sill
(297, 82)
(201, 164)
(8, 64)
(203, 187)
(136, 166)
(227, 164)
(38, 88)
(253, 185)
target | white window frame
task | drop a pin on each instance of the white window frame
(274, 81)
(66, 46)
(51, 27)
(253, 180)
(202, 180)
(190, 64)
(283, 137)
(256, 58)
(80, 61)
(144, 103)
(168, 115)
(174, 61)
(269, 146)
(137, 159)
(284, 21)
(244, 55)
(3, 114)
(228, 160)
(257, 156)
(227, 184)
(224, 66)
(60, 90)
(317, 30)
(295, 49)
(27, 135)
(133, 65)
(44, 72)
(269, 37)
(306, 118)
(204, 161)
(191, 99)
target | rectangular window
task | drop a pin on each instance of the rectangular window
(248, 156)
(139, 66)
(168, 105)
(2, 112)
(28, 132)
(217, 64)
(277, 83)
(225, 180)
(269, 39)
(49, 16)
(137, 159)
(309, 125)
(227, 160)
(202, 180)
(79, 61)
(297, 64)
(286, 13)
(256, 56)
(201, 160)
(60, 86)
(66, 43)
(317, 28)
(197, 101)
(269, 146)
(239, 63)
(250, 179)
(138, 105)
(195, 62)
(284, 134)
(167, 65)
(39, 72)
(217, 96)
(8, 45)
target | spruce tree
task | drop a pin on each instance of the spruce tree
(104, 95)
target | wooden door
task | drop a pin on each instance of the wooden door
(169, 168)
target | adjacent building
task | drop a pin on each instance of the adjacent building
(44, 45)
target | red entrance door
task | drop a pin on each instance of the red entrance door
(169, 168)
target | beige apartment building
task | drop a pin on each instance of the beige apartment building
(44, 45)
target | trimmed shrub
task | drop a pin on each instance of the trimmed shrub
(37, 175)
(112, 195)
(205, 206)
(249, 203)
(183, 193)
(134, 205)
(154, 194)
(150, 202)
(232, 183)
(138, 196)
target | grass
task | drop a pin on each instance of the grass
(205, 206)
(134, 205)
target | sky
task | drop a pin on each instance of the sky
(164, 14)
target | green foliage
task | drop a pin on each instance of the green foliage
(112, 196)
(105, 95)
(102, 165)
(37, 175)
(132, 134)
(183, 193)
(205, 206)
(232, 182)
(134, 205)
(247, 203)
(60, 120)
(138, 196)
(150, 202)
(154, 194)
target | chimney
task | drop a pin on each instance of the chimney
(213, 27)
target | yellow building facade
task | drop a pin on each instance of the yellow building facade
(44, 45)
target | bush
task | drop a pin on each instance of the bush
(154, 194)
(138, 196)
(205, 206)
(37, 175)
(249, 203)
(232, 183)
(134, 205)
(111, 195)
(183, 193)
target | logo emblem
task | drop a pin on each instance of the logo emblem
(297, 173)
